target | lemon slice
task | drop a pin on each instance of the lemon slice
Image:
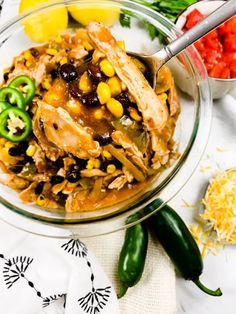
(104, 13)
(42, 26)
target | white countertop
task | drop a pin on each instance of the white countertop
(219, 270)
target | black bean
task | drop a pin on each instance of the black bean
(16, 168)
(54, 74)
(59, 163)
(56, 179)
(90, 100)
(104, 165)
(74, 90)
(39, 188)
(104, 139)
(74, 168)
(14, 151)
(124, 99)
(68, 72)
(82, 163)
(117, 163)
(95, 73)
(73, 177)
(34, 52)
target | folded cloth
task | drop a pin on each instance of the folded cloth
(43, 275)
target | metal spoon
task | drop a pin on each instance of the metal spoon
(158, 59)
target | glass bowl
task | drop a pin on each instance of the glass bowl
(191, 132)
(219, 87)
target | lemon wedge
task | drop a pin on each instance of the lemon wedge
(99, 12)
(42, 26)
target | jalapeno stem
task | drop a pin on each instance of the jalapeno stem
(122, 292)
(215, 293)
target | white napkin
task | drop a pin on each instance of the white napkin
(40, 275)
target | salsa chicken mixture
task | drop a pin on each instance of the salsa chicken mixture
(81, 127)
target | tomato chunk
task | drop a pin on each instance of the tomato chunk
(218, 48)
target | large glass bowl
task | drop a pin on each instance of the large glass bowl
(191, 132)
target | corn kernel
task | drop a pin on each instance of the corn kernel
(107, 68)
(106, 154)
(46, 84)
(97, 163)
(121, 44)
(2, 141)
(41, 201)
(139, 64)
(162, 97)
(58, 39)
(90, 164)
(87, 45)
(111, 168)
(115, 86)
(115, 107)
(134, 114)
(98, 114)
(9, 145)
(28, 55)
(31, 150)
(85, 84)
(63, 60)
(74, 106)
(28, 63)
(103, 92)
(51, 51)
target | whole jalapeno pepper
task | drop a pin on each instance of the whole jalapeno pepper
(179, 244)
(21, 122)
(25, 85)
(13, 96)
(133, 255)
(4, 105)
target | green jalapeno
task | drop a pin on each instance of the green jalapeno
(133, 255)
(4, 105)
(26, 86)
(13, 96)
(15, 124)
(178, 243)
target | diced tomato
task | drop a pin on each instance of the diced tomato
(225, 73)
(229, 57)
(218, 48)
(217, 69)
(193, 18)
(230, 42)
(233, 69)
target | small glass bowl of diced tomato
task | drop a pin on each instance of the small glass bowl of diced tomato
(217, 49)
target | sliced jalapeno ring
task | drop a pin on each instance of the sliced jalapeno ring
(15, 124)
(4, 105)
(25, 85)
(13, 96)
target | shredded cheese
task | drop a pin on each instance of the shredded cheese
(220, 206)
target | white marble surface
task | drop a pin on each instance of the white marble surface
(219, 270)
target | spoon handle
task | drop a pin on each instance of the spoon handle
(213, 20)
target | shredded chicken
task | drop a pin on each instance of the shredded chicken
(69, 136)
(155, 114)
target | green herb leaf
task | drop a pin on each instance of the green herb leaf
(124, 20)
